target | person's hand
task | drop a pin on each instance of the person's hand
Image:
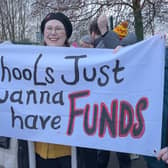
(102, 23)
(117, 49)
(163, 154)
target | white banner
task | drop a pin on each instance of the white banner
(84, 97)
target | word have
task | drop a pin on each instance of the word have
(117, 124)
(35, 121)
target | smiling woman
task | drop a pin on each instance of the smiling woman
(54, 33)
(56, 29)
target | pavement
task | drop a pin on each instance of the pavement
(135, 163)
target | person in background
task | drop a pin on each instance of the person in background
(56, 29)
(121, 29)
(86, 42)
(86, 157)
(103, 38)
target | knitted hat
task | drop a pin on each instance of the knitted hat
(62, 18)
(121, 29)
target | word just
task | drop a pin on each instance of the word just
(101, 75)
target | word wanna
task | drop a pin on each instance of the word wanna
(32, 96)
(118, 124)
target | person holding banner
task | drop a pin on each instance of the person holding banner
(103, 38)
(56, 29)
(86, 157)
(163, 155)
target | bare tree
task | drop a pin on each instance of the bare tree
(141, 13)
(13, 15)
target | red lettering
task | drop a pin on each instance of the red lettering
(120, 119)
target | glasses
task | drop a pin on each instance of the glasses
(55, 29)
